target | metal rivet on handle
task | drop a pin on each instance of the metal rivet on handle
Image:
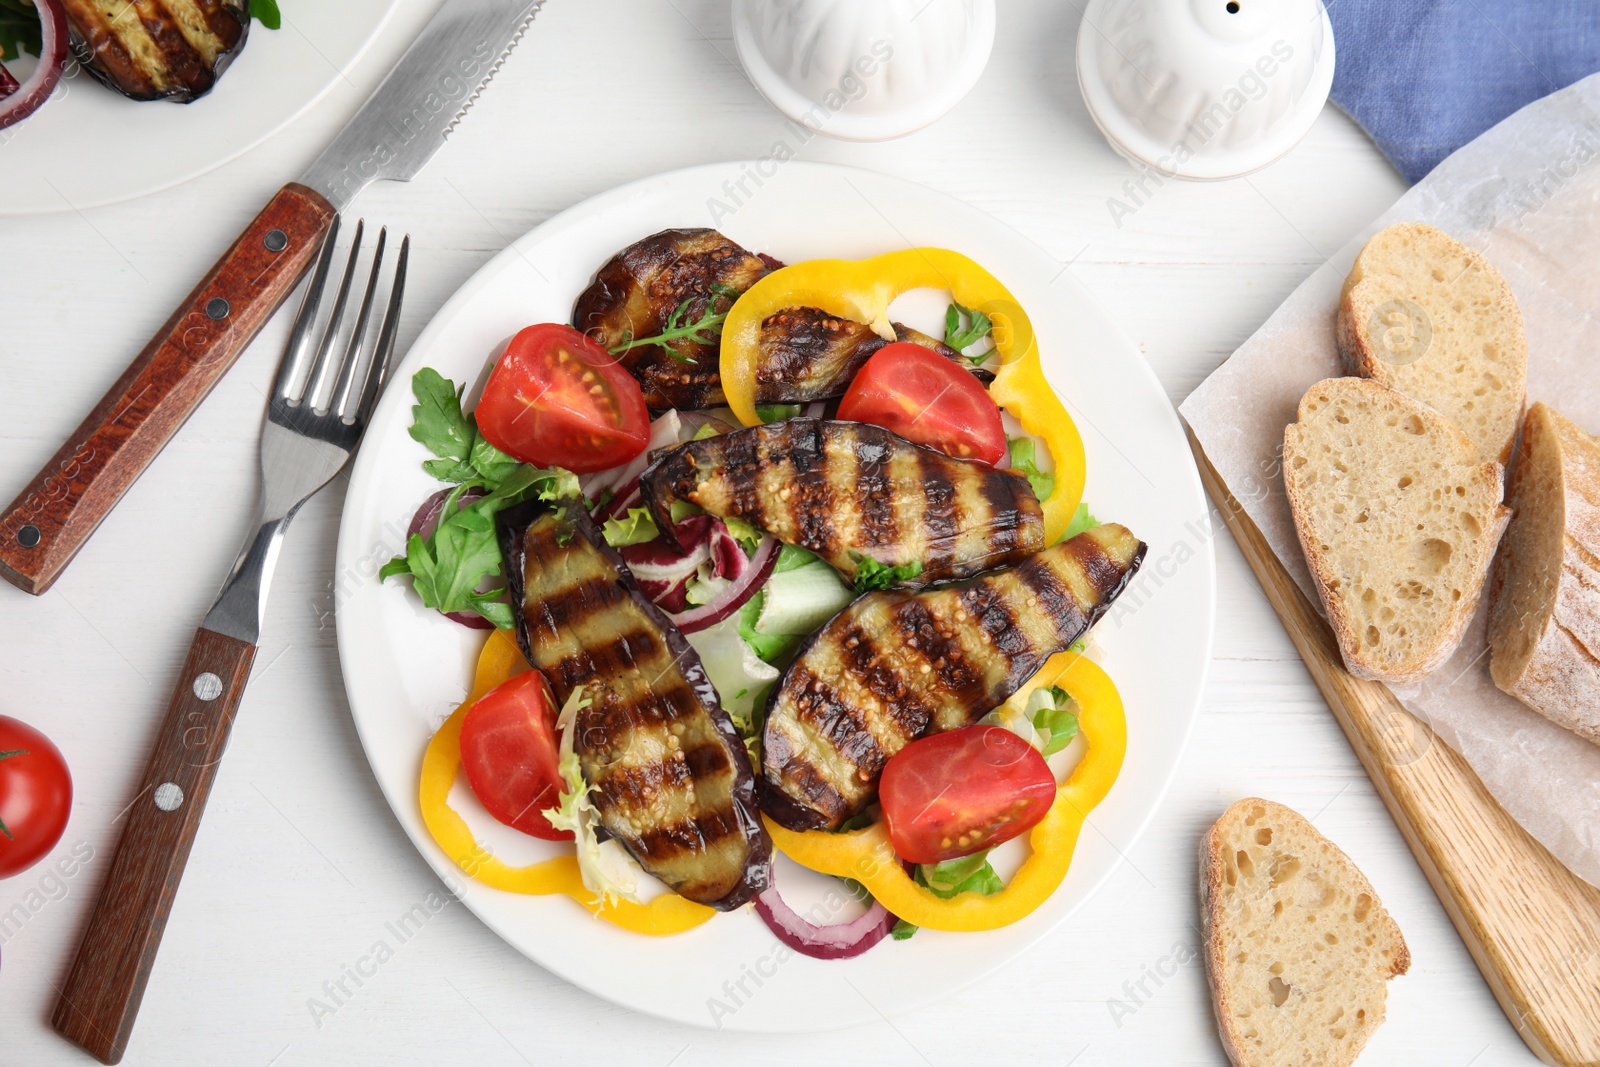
(207, 686)
(28, 536)
(217, 308)
(169, 796)
(276, 241)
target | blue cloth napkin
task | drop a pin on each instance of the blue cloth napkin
(1424, 77)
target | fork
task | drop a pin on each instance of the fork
(319, 406)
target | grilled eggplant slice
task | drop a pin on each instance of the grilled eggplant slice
(896, 665)
(638, 290)
(849, 491)
(808, 354)
(158, 49)
(672, 781)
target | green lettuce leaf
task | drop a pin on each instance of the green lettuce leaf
(1025, 458)
(637, 527)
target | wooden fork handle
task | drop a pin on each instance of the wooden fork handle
(54, 516)
(101, 998)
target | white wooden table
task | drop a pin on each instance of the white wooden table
(300, 863)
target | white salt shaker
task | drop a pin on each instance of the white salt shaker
(864, 70)
(1205, 89)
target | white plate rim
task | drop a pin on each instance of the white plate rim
(712, 177)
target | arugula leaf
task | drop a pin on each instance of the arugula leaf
(637, 528)
(439, 425)
(1054, 714)
(704, 330)
(1024, 457)
(776, 412)
(1081, 521)
(20, 29)
(267, 11)
(447, 568)
(959, 338)
(871, 574)
(493, 465)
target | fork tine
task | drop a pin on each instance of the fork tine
(294, 355)
(339, 402)
(323, 366)
(378, 369)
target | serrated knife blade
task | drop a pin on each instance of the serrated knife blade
(392, 136)
(408, 118)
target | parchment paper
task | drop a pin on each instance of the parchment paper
(1527, 194)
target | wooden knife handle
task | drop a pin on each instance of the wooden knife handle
(1532, 926)
(54, 516)
(101, 998)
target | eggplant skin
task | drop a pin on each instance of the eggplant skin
(849, 491)
(806, 354)
(895, 666)
(637, 290)
(671, 777)
(158, 49)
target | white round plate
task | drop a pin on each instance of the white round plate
(90, 146)
(406, 668)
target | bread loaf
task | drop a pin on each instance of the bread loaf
(1544, 606)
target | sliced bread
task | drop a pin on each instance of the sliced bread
(1398, 519)
(1425, 314)
(1544, 604)
(1297, 945)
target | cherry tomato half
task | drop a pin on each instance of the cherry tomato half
(511, 752)
(963, 791)
(557, 399)
(35, 796)
(926, 398)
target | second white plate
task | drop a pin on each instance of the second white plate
(89, 146)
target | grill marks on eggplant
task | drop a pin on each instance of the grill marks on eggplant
(896, 665)
(158, 49)
(804, 353)
(846, 490)
(638, 289)
(670, 777)
(807, 354)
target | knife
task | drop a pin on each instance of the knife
(393, 136)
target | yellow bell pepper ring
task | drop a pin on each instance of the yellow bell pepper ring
(867, 856)
(441, 762)
(862, 290)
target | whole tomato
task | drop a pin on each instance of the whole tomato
(35, 796)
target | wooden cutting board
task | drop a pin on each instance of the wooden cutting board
(1532, 925)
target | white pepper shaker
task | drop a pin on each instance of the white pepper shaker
(864, 70)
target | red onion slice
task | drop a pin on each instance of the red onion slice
(425, 522)
(31, 94)
(617, 507)
(840, 941)
(733, 598)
